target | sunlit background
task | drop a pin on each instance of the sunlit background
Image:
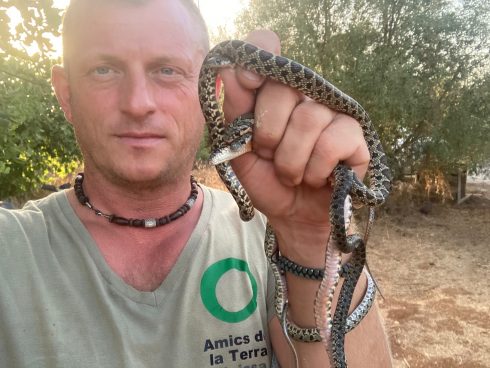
(217, 14)
(220, 12)
(421, 69)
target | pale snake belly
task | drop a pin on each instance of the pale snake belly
(233, 140)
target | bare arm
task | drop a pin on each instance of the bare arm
(297, 143)
(366, 345)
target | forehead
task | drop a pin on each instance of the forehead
(131, 27)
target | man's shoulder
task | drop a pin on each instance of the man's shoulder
(225, 205)
(218, 193)
(30, 217)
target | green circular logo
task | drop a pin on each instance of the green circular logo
(209, 282)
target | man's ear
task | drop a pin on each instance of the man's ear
(59, 80)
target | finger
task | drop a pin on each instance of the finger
(307, 122)
(238, 98)
(266, 40)
(342, 140)
(240, 85)
(274, 105)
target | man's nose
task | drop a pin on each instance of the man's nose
(138, 98)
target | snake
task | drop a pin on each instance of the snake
(229, 141)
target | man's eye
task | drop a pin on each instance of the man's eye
(167, 74)
(102, 70)
(166, 71)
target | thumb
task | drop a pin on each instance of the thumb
(240, 84)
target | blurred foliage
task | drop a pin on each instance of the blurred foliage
(420, 68)
(35, 140)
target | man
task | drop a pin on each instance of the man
(77, 290)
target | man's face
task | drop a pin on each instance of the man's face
(131, 89)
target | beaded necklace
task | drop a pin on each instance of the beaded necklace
(147, 223)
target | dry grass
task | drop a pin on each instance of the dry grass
(433, 270)
(207, 175)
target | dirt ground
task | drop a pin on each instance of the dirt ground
(433, 271)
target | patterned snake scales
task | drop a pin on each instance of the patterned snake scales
(234, 140)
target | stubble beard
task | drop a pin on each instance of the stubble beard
(173, 171)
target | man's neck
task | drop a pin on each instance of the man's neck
(136, 199)
(141, 257)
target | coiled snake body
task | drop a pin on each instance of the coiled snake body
(232, 141)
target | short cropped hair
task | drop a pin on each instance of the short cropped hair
(189, 5)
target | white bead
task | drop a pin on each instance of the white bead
(150, 222)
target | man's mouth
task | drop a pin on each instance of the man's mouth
(140, 139)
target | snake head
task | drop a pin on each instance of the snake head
(237, 140)
(218, 61)
(229, 153)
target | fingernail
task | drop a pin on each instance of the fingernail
(251, 75)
